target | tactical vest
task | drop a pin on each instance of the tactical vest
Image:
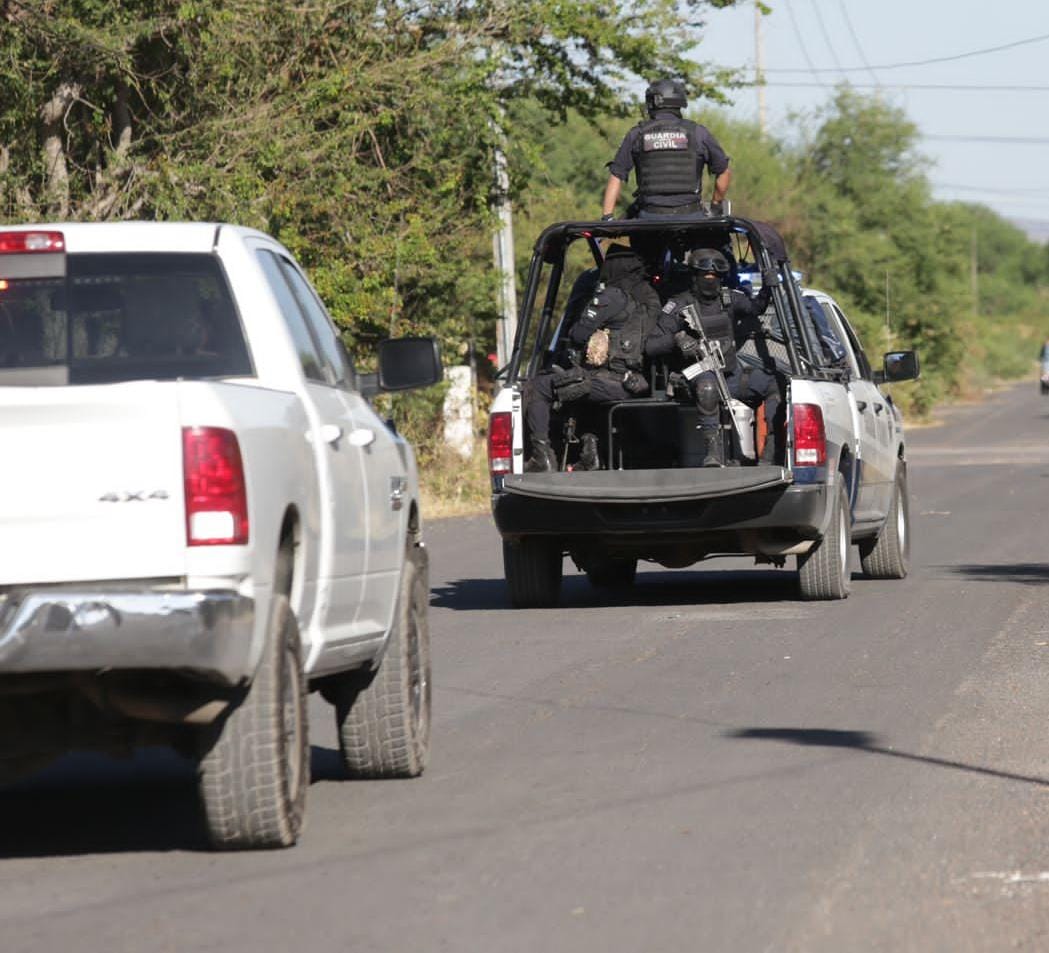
(668, 162)
(627, 339)
(716, 317)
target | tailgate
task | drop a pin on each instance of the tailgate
(646, 486)
(91, 484)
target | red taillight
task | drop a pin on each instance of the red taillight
(500, 443)
(810, 437)
(216, 498)
(21, 243)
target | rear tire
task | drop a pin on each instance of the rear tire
(888, 555)
(612, 573)
(533, 565)
(383, 717)
(253, 778)
(823, 572)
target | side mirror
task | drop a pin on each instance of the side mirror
(407, 363)
(900, 366)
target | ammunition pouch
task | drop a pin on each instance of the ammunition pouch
(573, 384)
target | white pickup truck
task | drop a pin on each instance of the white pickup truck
(202, 518)
(840, 478)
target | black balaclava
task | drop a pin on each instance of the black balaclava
(623, 268)
(707, 279)
(708, 286)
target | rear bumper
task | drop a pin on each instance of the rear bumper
(768, 520)
(208, 633)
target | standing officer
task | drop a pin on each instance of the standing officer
(727, 317)
(667, 154)
(609, 337)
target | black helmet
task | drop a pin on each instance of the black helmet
(665, 94)
(707, 261)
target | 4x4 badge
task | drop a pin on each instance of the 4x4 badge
(131, 496)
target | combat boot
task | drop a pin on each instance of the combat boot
(542, 459)
(768, 453)
(589, 458)
(713, 447)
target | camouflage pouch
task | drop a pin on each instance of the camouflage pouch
(597, 348)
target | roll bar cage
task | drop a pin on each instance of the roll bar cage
(678, 234)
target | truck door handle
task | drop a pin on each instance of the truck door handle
(878, 408)
(361, 437)
(330, 433)
(398, 487)
(861, 405)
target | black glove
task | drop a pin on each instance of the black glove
(770, 277)
(571, 385)
(635, 383)
(686, 344)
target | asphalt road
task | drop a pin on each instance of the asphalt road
(701, 763)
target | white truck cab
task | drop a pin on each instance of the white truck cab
(204, 517)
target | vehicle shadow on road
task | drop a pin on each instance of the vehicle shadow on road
(867, 742)
(1029, 574)
(669, 588)
(91, 804)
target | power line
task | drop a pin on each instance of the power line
(984, 188)
(801, 41)
(856, 42)
(939, 59)
(826, 35)
(949, 87)
(1012, 140)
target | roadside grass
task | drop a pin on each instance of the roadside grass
(451, 485)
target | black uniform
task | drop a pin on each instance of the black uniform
(728, 317)
(668, 155)
(626, 306)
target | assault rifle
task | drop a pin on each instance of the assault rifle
(709, 358)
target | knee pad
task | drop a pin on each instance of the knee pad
(707, 397)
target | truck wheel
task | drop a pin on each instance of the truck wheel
(383, 717)
(612, 573)
(823, 572)
(888, 555)
(532, 565)
(253, 778)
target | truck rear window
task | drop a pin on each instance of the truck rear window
(121, 317)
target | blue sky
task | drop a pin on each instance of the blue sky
(983, 127)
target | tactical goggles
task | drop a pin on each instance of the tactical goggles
(717, 266)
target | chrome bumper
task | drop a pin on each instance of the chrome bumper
(52, 630)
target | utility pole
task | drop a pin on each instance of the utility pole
(759, 69)
(974, 272)
(888, 314)
(503, 248)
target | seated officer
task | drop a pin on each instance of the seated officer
(609, 338)
(727, 317)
